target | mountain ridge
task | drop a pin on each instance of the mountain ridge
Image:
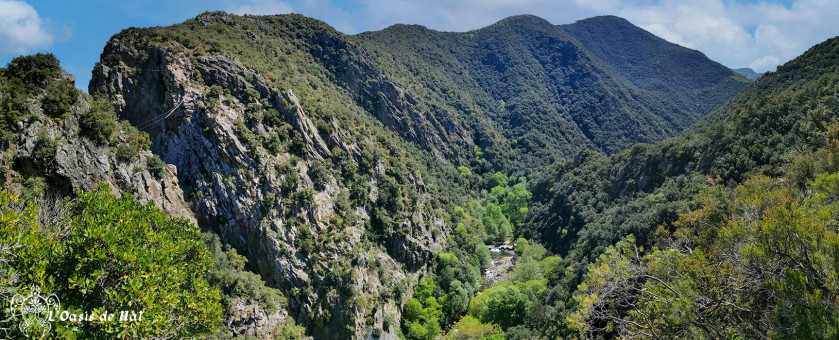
(626, 48)
(748, 73)
(460, 50)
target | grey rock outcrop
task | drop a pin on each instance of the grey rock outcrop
(248, 319)
(392, 105)
(80, 164)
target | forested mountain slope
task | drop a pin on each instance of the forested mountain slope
(555, 90)
(748, 73)
(757, 132)
(684, 77)
(772, 128)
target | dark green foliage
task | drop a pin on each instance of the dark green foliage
(214, 92)
(35, 71)
(305, 196)
(273, 144)
(272, 117)
(98, 124)
(156, 166)
(507, 307)
(253, 113)
(358, 191)
(324, 128)
(390, 195)
(319, 173)
(6, 138)
(297, 145)
(251, 96)
(509, 98)
(757, 136)
(304, 241)
(127, 152)
(58, 98)
(291, 181)
(235, 282)
(268, 202)
(28, 77)
(684, 77)
(44, 152)
(104, 253)
(252, 141)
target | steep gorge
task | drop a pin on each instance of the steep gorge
(300, 148)
(338, 165)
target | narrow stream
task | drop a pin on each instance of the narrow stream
(503, 260)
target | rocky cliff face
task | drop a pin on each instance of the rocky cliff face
(391, 104)
(73, 162)
(286, 207)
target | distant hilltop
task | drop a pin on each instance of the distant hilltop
(749, 73)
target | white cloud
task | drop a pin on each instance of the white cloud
(762, 34)
(765, 63)
(261, 7)
(665, 33)
(21, 29)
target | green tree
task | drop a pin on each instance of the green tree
(497, 226)
(521, 245)
(98, 123)
(423, 312)
(526, 270)
(155, 166)
(507, 307)
(459, 296)
(44, 151)
(424, 288)
(34, 70)
(470, 328)
(59, 97)
(483, 255)
(413, 310)
(113, 254)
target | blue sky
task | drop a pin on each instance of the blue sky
(737, 33)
